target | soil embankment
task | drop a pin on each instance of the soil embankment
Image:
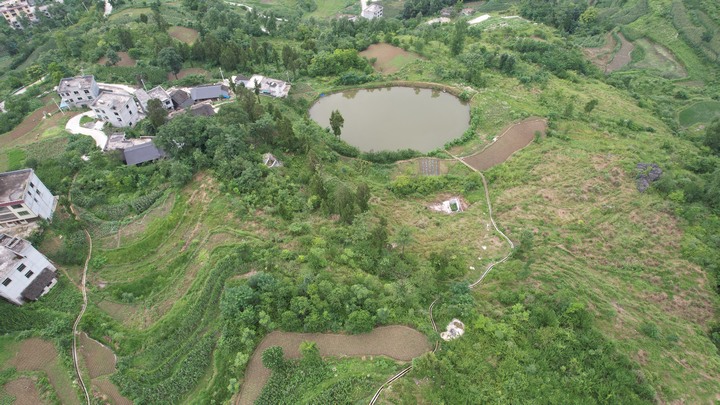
(397, 342)
(508, 142)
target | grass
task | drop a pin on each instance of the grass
(186, 35)
(700, 112)
(15, 158)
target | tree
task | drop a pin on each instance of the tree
(257, 91)
(358, 322)
(156, 113)
(403, 237)
(457, 41)
(345, 204)
(336, 122)
(712, 136)
(272, 358)
(310, 354)
(112, 57)
(591, 105)
(170, 59)
(362, 194)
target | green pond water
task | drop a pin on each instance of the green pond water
(395, 118)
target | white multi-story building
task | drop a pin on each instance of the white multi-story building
(12, 10)
(117, 109)
(24, 197)
(372, 11)
(25, 274)
(79, 91)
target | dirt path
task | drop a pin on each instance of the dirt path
(473, 285)
(84, 305)
(511, 140)
(397, 342)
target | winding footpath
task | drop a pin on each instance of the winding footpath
(406, 370)
(76, 363)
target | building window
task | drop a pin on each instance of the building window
(117, 114)
(75, 92)
(7, 282)
(21, 267)
(32, 185)
(22, 213)
(35, 199)
(38, 192)
(29, 274)
(87, 92)
(79, 98)
(17, 206)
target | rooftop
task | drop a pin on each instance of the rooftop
(117, 141)
(373, 7)
(37, 286)
(112, 100)
(157, 92)
(10, 249)
(142, 153)
(76, 83)
(13, 185)
(210, 91)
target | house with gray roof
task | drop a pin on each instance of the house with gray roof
(180, 99)
(146, 152)
(25, 274)
(157, 93)
(210, 92)
(79, 91)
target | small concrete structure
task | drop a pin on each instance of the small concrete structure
(209, 92)
(117, 109)
(146, 152)
(454, 330)
(117, 141)
(450, 206)
(79, 91)
(270, 160)
(25, 274)
(12, 10)
(480, 19)
(24, 197)
(372, 11)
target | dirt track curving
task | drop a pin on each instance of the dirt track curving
(397, 342)
(622, 57)
(508, 142)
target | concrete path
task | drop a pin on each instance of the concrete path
(73, 126)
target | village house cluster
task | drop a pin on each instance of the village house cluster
(14, 10)
(25, 274)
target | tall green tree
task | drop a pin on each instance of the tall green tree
(362, 194)
(170, 59)
(457, 40)
(403, 238)
(336, 122)
(156, 113)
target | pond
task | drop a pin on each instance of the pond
(395, 118)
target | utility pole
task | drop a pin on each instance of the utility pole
(143, 83)
(58, 106)
(221, 75)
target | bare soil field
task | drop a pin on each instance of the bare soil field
(397, 342)
(40, 355)
(188, 72)
(33, 126)
(511, 140)
(125, 60)
(184, 34)
(622, 57)
(24, 391)
(390, 58)
(108, 392)
(99, 359)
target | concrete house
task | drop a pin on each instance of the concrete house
(180, 99)
(372, 11)
(241, 80)
(25, 274)
(210, 92)
(79, 91)
(117, 109)
(268, 86)
(158, 93)
(24, 197)
(12, 10)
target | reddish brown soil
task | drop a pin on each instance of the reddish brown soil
(24, 391)
(99, 359)
(385, 55)
(109, 393)
(509, 141)
(125, 60)
(398, 342)
(34, 354)
(622, 57)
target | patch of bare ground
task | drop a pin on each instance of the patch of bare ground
(397, 342)
(107, 392)
(24, 391)
(602, 56)
(388, 58)
(125, 60)
(509, 141)
(187, 72)
(34, 120)
(99, 359)
(40, 355)
(622, 57)
(184, 34)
